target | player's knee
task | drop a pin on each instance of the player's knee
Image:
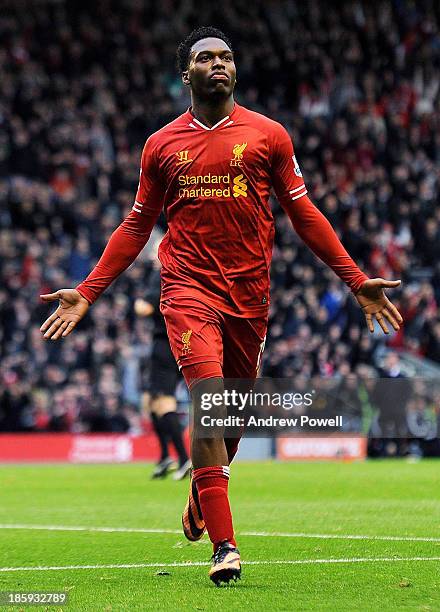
(207, 397)
(207, 451)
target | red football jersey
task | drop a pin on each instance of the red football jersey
(214, 186)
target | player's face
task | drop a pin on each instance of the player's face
(211, 71)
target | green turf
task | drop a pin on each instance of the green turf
(394, 498)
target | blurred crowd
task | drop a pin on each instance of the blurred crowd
(82, 87)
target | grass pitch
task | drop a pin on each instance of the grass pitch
(321, 536)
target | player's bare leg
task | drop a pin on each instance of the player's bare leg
(207, 451)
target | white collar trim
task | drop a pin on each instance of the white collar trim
(205, 127)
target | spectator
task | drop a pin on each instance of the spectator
(82, 88)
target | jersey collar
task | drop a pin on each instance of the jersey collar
(198, 125)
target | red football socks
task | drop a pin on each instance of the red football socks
(212, 485)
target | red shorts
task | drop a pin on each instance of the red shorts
(207, 342)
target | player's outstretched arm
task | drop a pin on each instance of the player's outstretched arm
(71, 309)
(375, 304)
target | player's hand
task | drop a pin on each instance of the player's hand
(71, 309)
(376, 305)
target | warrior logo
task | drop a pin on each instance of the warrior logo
(183, 158)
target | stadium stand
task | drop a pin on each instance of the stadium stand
(84, 84)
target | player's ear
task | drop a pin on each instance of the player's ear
(185, 77)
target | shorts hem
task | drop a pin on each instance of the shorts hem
(193, 377)
(198, 360)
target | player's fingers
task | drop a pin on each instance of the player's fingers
(48, 322)
(369, 320)
(387, 314)
(53, 328)
(70, 327)
(50, 297)
(381, 321)
(389, 283)
(60, 330)
(393, 310)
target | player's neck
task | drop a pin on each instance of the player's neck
(211, 112)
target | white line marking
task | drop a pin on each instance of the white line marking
(97, 529)
(257, 534)
(336, 536)
(40, 568)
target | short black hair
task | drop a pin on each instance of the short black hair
(184, 49)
